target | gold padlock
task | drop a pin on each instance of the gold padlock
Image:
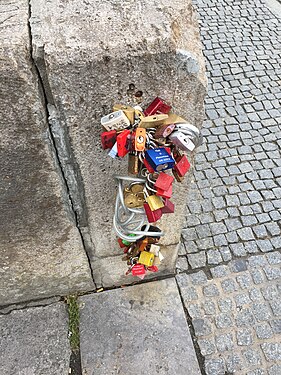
(146, 258)
(154, 202)
(129, 111)
(136, 188)
(133, 201)
(173, 119)
(139, 114)
(152, 121)
(133, 164)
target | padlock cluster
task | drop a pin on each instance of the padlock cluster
(142, 255)
(156, 141)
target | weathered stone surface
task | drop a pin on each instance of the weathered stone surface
(101, 59)
(41, 250)
(34, 341)
(138, 329)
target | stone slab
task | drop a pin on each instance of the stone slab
(94, 63)
(41, 249)
(35, 341)
(139, 329)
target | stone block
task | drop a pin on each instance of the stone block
(137, 329)
(101, 59)
(42, 253)
(34, 341)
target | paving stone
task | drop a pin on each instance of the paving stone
(276, 326)
(197, 260)
(244, 337)
(263, 331)
(270, 292)
(244, 142)
(276, 307)
(214, 257)
(210, 290)
(242, 299)
(207, 346)
(272, 351)
(252, 357)
(257, 371)
(233, 363)
(198, 278)
(245, 234)
(219, 271)
(244, 317)
(274, 370)
(102, 318)
(223, 320)
(244, 280)
(224, 342)
(35, 341)
(215, 366)
(238, 265)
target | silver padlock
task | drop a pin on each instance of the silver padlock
(191, 131)
(182, 141)
(115, 121)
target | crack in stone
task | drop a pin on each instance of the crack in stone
(59, 140)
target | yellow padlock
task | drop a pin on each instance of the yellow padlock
(152, 121)
(146, 258)
(154, 202)
(129, 111)
(173, 119)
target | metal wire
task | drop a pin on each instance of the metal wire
(130, 220)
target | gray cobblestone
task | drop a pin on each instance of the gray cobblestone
(214, 257)
(252, 356)
(275, 370)
(215, 366)
(207, 346)
(272, 351)
(224, 342)
(197, 260)
(237, 173)
(244, 337)
(263, 331)
(210, 290)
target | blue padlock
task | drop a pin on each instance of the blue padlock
(159, 159)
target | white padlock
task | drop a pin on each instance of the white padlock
(115, 121)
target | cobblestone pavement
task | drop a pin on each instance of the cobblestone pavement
(232, 232)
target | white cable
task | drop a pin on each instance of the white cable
(135, 218)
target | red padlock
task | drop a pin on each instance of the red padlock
(122, 139)
(121, 244)
(108, 139)
(182, 165)
(165, 193)
(148, 166)
(152, 216)
(138, 270)
(164, 131)
(157, 106)
(164, 181)
(152, 269)
(169, 207)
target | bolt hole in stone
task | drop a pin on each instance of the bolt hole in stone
(106, 59)
(131, 89)
(139, 94)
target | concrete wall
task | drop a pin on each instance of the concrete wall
(42, 253)
(87, 56)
